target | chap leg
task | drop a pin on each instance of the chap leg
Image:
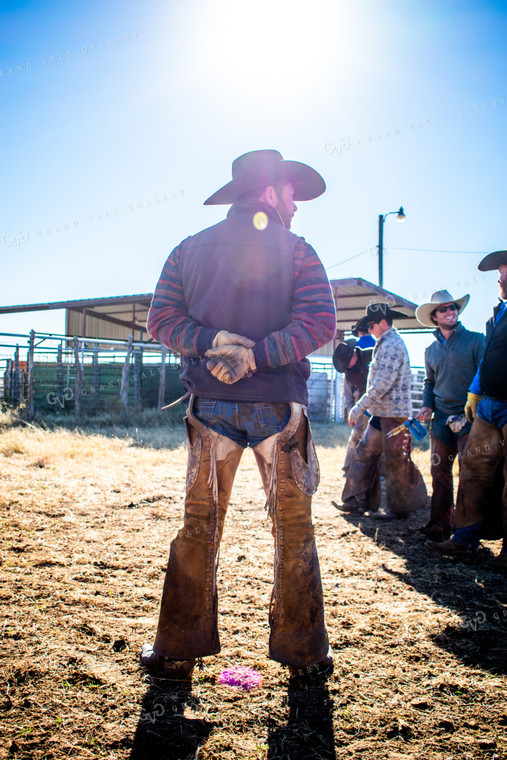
(406, 490)
(480, 490)
(362, 487)
(187, 626)
(289, 470)
(354, 439)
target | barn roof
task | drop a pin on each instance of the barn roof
(114, 317)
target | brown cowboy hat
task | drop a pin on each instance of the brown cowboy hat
(493, 261)
(425, 310)
(260, 168)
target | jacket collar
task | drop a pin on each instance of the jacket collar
(459, 327)
(386, 336)
(245, 207)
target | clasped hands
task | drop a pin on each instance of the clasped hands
(231, 357)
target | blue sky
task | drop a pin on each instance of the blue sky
(120, 118)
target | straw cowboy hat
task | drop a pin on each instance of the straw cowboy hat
(493, 261)
(424, 311)
(260, 168)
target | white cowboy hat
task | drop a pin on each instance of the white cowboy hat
(424, 311)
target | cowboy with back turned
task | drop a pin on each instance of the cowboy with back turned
(244, 302)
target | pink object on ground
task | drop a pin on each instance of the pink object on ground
(240, 677)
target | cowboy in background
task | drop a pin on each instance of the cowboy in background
(388, 399)
(451, 362)
(353, 362)
(481, 504)
(244, 302)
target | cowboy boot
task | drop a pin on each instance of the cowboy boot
(290, 472)
(187, 626)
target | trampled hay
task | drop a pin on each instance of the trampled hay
(420, 641)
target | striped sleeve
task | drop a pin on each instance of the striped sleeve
(168, 320)
(313, 315)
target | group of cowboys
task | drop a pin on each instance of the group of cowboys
(465, 401)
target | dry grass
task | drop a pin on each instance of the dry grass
(87, 517)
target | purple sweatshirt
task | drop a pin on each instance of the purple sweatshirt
(267, 284)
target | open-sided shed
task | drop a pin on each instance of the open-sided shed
(117, 317)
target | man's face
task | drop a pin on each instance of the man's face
(502, 280)
(286, 206)
(446, 316)
(377, 329)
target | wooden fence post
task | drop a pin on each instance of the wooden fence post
(161, 387)
(8, 378)
(59, 371)
(124, 390)
(78, 384)
(17, 391)
(30, 393)
(96, 377)
(138, 369)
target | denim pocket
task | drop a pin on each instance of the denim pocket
(272, 418)
(204, 410)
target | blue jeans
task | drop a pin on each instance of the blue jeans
(492, 411)
(246, 423)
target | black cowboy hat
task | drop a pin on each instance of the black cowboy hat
(360, 326)
(343, 354)
(260, 168)
(375, 312)
(493, 261)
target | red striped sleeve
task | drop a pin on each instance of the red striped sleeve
(313, 314)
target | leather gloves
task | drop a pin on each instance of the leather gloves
(471, 406)
(231, 357)
(225, 338)
(230, 363)
(354, 414)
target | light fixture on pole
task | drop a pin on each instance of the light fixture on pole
(382, 217)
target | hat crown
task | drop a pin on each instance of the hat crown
(442, 296)
(258, 169)
(377, 309)
(256, 161)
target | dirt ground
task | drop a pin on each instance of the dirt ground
(420, 641)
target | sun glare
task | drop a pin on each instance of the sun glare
(271, 46)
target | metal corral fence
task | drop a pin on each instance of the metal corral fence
(54, 373)
(51, 373)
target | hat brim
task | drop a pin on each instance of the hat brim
(361, 325)
(342, 362)
(307, 183)
(424, 311)
(493, 261)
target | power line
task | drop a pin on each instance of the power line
(432, 250)
(352, 257)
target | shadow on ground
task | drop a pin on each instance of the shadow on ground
(163, 733)
(308, 732)
(464, 585)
